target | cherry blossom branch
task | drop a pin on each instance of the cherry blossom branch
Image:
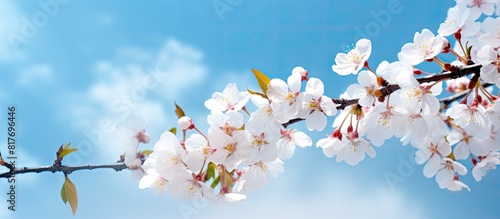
(65, 169)
(454, 73)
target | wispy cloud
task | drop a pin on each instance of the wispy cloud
(135, 82)
(35, 75)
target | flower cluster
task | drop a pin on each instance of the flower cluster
(442, 134)
(242, 150)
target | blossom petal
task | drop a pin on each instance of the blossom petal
(315, 87)
(302, 139)
(459, 168)
(316, 121)
(461, 151)
(444, 177)
(432, 166)
(328, 106)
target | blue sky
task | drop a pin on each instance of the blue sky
(83, 59)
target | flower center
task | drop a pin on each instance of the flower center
(354, 57)
(290, 96)
(313, 104)
(230, 148)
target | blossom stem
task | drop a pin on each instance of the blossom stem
(183, 136)
(357, 123)
(201, 133)
(439, 62)
(245, 110)
(461, 47)
(461, 58)
(367, 66)
(203, 166)
(343, 121)
(434, 83)
(222, 175)
(488, 95)
(464, 100)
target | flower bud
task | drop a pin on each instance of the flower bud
(132, 161)
(349, 129)
(417, 71)
(301, 71)
(446, 46)
(185, 123)
(337, 134)
(458, 34)
(142, 137)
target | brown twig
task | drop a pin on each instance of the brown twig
(65, 169)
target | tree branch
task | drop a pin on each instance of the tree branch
(65, 169)
(454, 73)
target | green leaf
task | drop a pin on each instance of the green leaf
(173, 130)
(262, 79)
(67, 146)
(215, 182)
(68, 194)
(147, 152)
(229, 179)
(63, 193)
(256, 93)
(451, 156)
(178, 110)
(210, 171)
(469, 48)
(66, 150)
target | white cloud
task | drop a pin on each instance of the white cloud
(136, 82)
(180, 68)
(35, 75)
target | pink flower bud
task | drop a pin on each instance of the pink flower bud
(301, 71)
(185, 123)
(337, 134)
(142, 137)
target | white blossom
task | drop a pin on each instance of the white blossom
(315, 105)
(354, 60)
(229, 99)
(425, 46)
(353, 151)
(486, 163)
(456, 19)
